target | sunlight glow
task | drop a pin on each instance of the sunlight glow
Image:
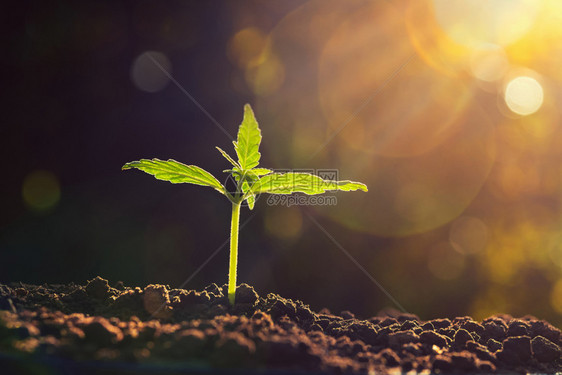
(349, 73)
(524, 95)
(428, 103)
(489, 64)
(472, 23)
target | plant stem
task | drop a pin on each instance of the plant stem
(234, 226)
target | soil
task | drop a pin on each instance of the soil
(98, 328)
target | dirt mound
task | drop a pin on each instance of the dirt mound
(97, 327)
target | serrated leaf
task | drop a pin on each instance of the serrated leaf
(294, 182)
(251, 197)
(248, 142)
(251, 200)
(227, 157)
(176, 172)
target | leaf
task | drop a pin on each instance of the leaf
(248, 142)
(287, 183)
(227, 157)
(251, 200)
(251, 175)
(261, 171)
(251, 197)
(235, 172)
(176, 172)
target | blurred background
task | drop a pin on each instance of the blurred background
(448, 110)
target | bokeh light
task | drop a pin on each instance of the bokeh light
(555, 250)
(284, 222)
(468, 235)
(476, 22)
(148, 71)
(251, 50)
(444, 262)
(246, 47)
(489, 63)
(556, 296)
(524, 95)
(41, 191)
(267, 77)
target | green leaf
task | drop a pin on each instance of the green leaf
(227, 157)
(250, 196)
(248, 142)
(251, 200)
(176, 172)
(235, 172)
(251, 175)
(261, 171)
(287, 183)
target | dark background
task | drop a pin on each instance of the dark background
(70, 107)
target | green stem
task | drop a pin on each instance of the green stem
(234, 226)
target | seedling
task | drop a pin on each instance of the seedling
(250, 181)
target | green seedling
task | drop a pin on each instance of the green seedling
(250, 181)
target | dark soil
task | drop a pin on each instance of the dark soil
(98, 328)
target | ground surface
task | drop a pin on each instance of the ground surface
(96, 328)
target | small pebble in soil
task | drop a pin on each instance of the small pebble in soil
(544, 350)
(97, 288)
(494, 345)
